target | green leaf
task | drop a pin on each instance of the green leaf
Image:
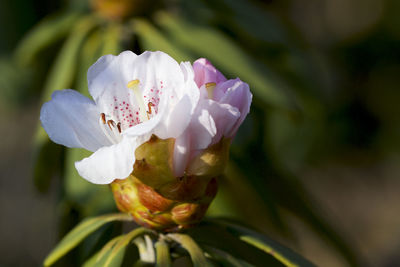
(63, 71)
(152, 39)
(90, 51)
(280, 252)
(82, 230)
(195, 252)
(224, 258)
(47, 32)
(163, 258)
(99, 258)
(209, 234)
(111, 39)
(223, 52)
(124, 241)
(61, 76)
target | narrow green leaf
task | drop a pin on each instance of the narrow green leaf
(82, 230)
(63, 71)
(278, 251)
(47, 32)
(163, 258)
(225, 258)
(99, 258)
(123, 242)
(216, 236)
(223, 52)
(195, 252)
(61, 76)
(111, 39)
(90, 51)
(152, 39)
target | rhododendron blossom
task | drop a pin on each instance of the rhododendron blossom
(135, 96)
(222, 107)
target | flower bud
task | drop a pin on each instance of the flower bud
(159, 200)
(151, 209)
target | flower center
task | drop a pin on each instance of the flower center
(134, 86)
(125, 115)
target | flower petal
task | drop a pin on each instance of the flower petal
(205, 72)
(72, 119)
(235, 93)
(215, 120)
(107, 80)
(178, 95)
(225, 117)
(110, 163)
(181, 154)
(202, 127)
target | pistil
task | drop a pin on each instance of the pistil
(134, 86)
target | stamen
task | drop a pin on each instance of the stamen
(134, 85)
(149, 105)
(119, 127)
(111, 124)
(110, 132)
(210, 89)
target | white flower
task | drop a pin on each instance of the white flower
(135, 96)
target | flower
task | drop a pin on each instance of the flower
(160, 132)
(223, 106)
(135, 97)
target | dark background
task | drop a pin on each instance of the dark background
(341, 146)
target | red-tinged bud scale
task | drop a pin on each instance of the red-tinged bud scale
(152, 210)
(158, 200)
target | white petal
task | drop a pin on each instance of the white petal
(108, 79)
(72, 119)
(110, 74)
(176, 122)
(225, 118)
(202, 128)
(109, 163)
(178, 116)
(211, 122)
(181, 154)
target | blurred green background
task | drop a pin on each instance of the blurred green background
(315, 165)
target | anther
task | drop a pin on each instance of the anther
(111, 123)
(210, 89)
(103, 118)
(119, 127)
(149, 105)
